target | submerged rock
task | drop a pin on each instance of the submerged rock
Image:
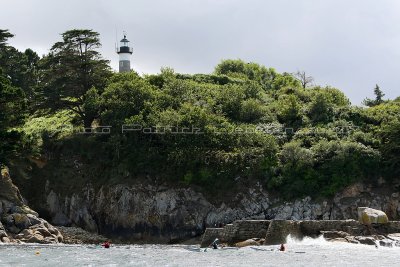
(387, 243)
(334, 234)
(250, 242)
(75, 235)
(366, 240)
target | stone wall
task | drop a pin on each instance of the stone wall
(390, 227)
(210, 234)
(228, 232)
(280, 229)
(314, 228)
(237, 231)
(245, 229)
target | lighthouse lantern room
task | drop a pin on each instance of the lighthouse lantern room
(124, 51)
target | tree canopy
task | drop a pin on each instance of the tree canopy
(378, 98)
(71, 69)
(243, 123)
(12, 105)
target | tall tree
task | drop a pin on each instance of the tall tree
(378, 95)
(304, 79)
(71, 69)
(21, 68)
(11, 106)
(378, 98)
(4, 36)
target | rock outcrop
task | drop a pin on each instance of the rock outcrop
(18, 223)
(157, 213)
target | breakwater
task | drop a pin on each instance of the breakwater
(275, 231)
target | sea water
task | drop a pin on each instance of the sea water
(309, 252)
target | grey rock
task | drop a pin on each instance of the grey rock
(334, 234)
(19, 223)
(16, 209)
(387, 243)
(21, 220)
(43, 232)
(365, 240)
(5, 239)
(35, 239)
(13, 229)
(8, 220)
(2, 231)
(6, 206)
(34, 219)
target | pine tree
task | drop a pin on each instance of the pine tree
(378, 98)
(72, 68)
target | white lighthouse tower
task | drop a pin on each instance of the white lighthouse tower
(124, 51)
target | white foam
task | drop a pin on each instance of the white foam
(306, 240)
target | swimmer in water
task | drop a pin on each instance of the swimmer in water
(215, 243)
(106, 244)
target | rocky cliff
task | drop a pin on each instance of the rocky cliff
(165, 214)
(18, 223)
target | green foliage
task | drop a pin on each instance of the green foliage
(230, 99)
(251, 110)
(12, 105)
(126, 95)
(4, 36)
(378, 98)
(268, 78)
(333, 96)
(383, 113)
(91, 103)
(36, 129)
(321, 111)
(284, 80)
(289, 111)
(244, 122)
(72, 68)
(324, 168)
(390, 136)
(20, 68)
(308, 137)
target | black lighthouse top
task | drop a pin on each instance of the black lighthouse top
(124, 46)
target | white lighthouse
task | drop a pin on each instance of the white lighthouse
(124, 51)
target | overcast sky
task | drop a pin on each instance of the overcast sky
(348, 44)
